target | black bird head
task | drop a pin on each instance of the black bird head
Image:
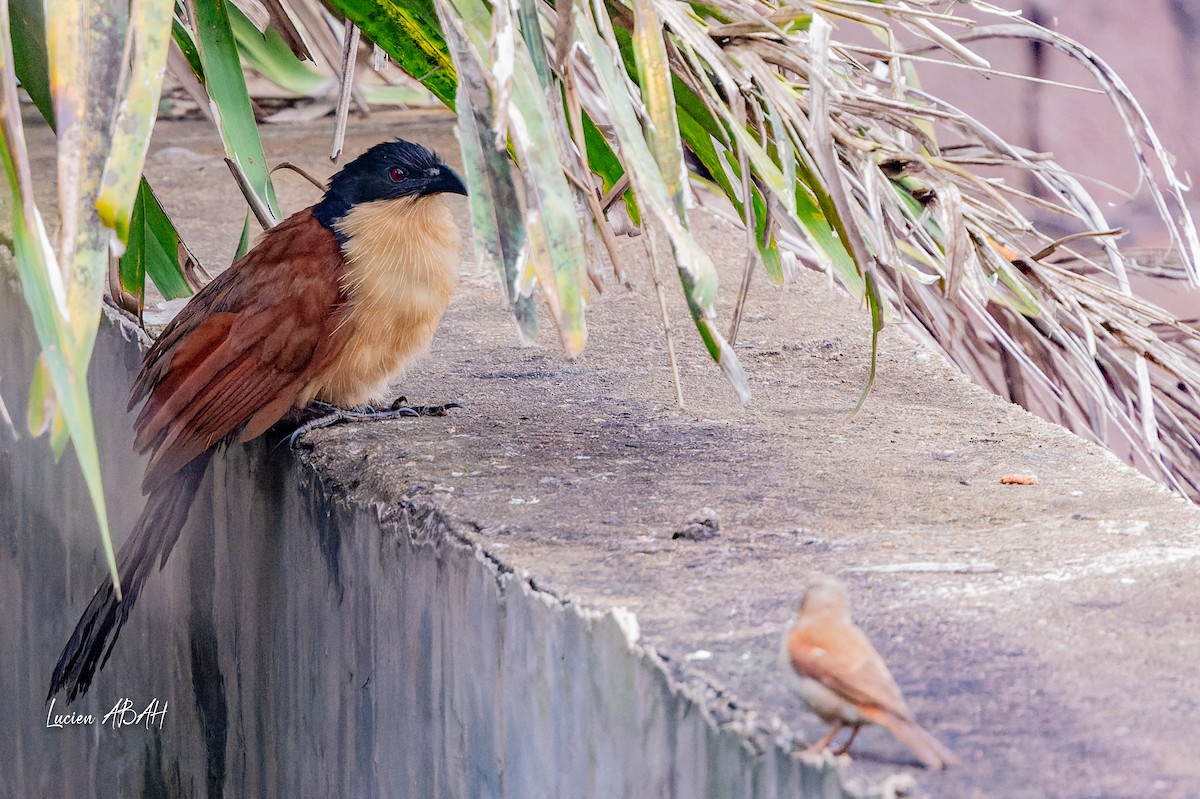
(388, 171)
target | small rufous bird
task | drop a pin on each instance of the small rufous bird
(330, 306)
(844, 680)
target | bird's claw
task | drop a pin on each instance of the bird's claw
(366, 413)
(434, 410)
(401, 404)
(313, 424)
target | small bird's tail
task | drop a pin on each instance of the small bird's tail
(929, 750)
(152, 539)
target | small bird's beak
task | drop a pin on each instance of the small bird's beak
(443, 179)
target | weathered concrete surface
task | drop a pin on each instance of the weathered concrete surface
(1047, 633)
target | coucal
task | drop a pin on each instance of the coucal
(841, 676)
(330, 306)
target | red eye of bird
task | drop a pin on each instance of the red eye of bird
(397, 174)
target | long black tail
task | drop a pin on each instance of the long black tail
(153, 537)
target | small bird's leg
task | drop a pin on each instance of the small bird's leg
(823, 744)
(845, 748)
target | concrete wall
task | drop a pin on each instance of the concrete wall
(302, 647)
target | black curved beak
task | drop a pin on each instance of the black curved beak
(443, 179)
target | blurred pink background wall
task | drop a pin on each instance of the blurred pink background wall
(1152, 45)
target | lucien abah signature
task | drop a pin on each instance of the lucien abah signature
(123, 714)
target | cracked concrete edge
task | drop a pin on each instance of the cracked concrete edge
(423, 521)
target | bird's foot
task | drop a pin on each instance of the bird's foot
(823, 744)
(810, 752)
(332, 414)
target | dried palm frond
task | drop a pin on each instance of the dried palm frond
(827, 148)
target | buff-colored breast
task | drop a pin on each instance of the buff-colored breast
(401, 269)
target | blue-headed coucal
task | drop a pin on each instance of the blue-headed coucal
(330, 306)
